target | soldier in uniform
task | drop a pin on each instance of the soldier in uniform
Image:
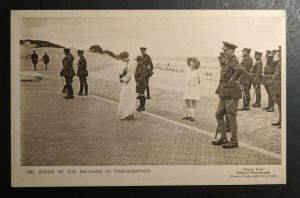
(82, 73)
(46, 60)
(222, 60)
(267, 79)
(141, 75)
(229, 93)
(68, 72)
(245, 80)
(256, 74)
(277, 87)
(34, 59)
(148, 63)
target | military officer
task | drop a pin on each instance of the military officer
(277, 87)
(46, 59)
(82, 73)
(68, 72)
(245, 79)
(267, 79)
(148, 63)
(34, 59)
(256, 75)
(141, 75)
(229, 94)
(222, 60)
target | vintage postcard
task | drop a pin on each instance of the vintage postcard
(148, 97)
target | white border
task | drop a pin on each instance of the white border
(160, 175)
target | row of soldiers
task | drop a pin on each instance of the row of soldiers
(35, 58)
(235, 83)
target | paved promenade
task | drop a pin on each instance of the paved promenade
(86, 130)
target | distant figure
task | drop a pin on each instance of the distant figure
(245, 79)
(256, 74)
(267, 79)
(34, 59)
(192, 87)
(82, 73)
(141, 82)
(277, 87)
(68, 72)
(46, 60)
(229, 93)
(148, 63)
(127, 101)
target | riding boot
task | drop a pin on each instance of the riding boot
(148, 92)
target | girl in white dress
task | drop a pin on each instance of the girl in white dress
(192, 87)
(127, 102)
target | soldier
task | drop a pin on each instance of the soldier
(68, 72)
(148, 63)
(222, 60)
(256, 74)
(34, 59)
(245, 80)
(229, 93)
(46, 60)
(277, 87)
(82, 73)
(267, 79)
(141, 82)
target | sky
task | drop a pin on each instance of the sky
(163, 36)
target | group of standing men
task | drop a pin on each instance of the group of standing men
(82, 72)
(68, 72)
(35, 59)
(235, 83)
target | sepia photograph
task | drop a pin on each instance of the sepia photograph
(149, 97)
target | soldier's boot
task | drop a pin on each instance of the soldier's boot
(258, 99)
(71, 93)
(271, 104)
(80, 89)
(34, 67)
(245, 105)
(142, 103)
(231, 144)
(86, 92)
(278, 123)
(220, 141)
(64, 89)
(148, 93)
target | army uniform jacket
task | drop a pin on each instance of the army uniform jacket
(268, 72)
(68, 70)
(34, 58)
(247, 63)
(256, 72)
(82, 65)
(141, 74)
(231, 71)
(45, 59)
(277, 78)
(148, 63)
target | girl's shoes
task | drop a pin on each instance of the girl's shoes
(186, 118)
(130, 117)
(192, 119)
(123, 118)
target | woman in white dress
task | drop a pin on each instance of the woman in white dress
(192, 87)
(127, 102)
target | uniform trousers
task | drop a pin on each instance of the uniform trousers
(83, 84)
(69, 81)
(228, 107)
(269, 90)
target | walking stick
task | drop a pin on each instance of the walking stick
(217, 130)
(254, 92)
